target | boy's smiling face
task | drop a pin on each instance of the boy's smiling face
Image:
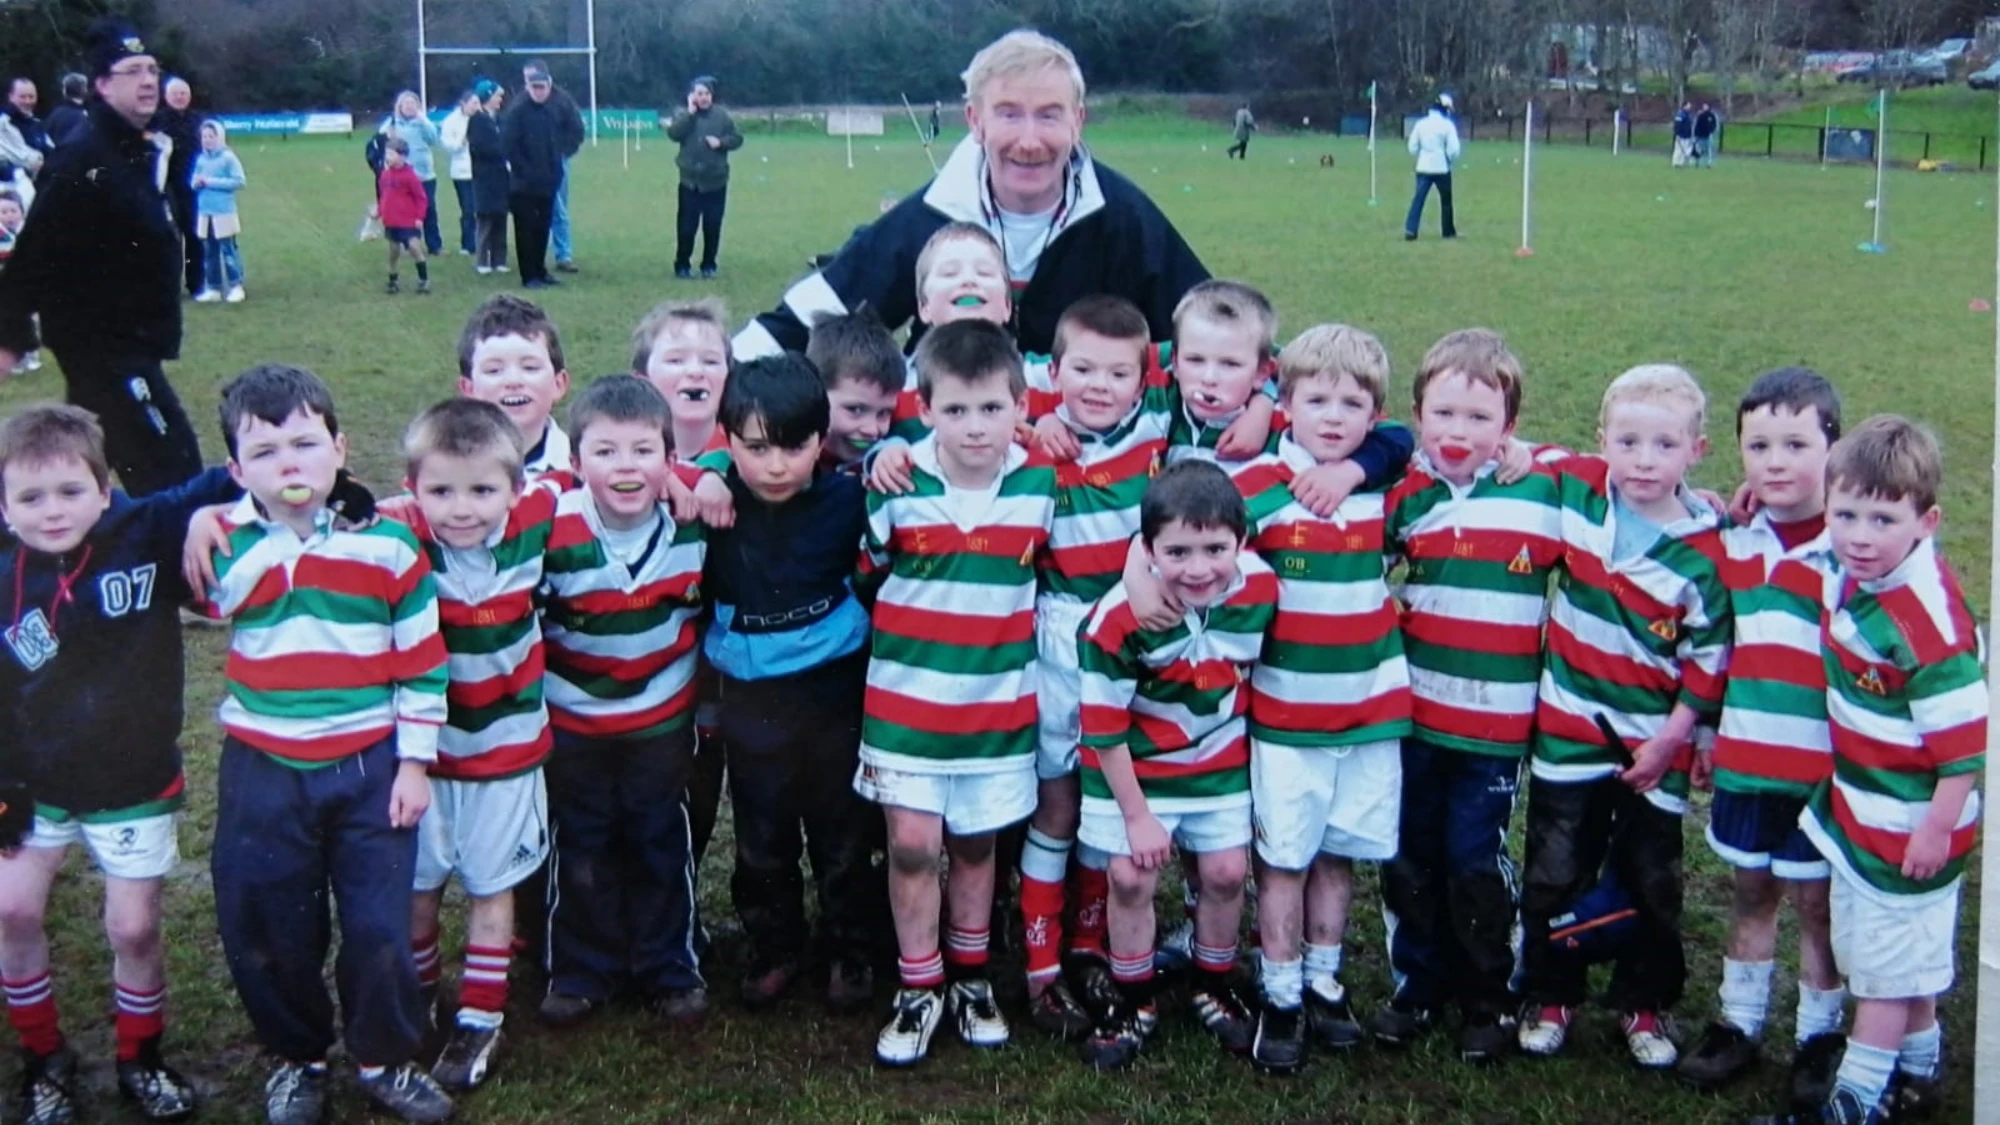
(688, 365)
(967, 281)
(624, 464)
(860, 413)
(1216, 366)
(464, 499)
(1196, 564)
(52, 505)
(1100, 378)
(288, 468)
(514, 373)
(1461, 425)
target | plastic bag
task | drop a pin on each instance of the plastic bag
(371, 226)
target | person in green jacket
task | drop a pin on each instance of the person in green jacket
(707, 135)
(1244, 124)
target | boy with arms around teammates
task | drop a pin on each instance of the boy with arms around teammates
(949, 726)
(1478, 553)
(1774, 746)
(510, 355)
(1906, 699)
(863, 370)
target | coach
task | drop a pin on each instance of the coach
(1069, 226)
(102, 265)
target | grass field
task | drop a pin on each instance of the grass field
(1730, 271)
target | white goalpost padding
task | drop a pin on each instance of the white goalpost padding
(588, 50)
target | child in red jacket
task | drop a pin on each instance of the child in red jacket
(402, 206)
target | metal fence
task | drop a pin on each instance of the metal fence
(1777, 140)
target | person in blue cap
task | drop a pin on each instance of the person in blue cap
(707, 135)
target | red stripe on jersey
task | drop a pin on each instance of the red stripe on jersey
(950, 718)
(958, 630)
(1590, 570)
(501, 609)
(677, 589)
(992, 541)
(1883, 843)
(1484, 726)
(1591, 663)
(624, 722)
(1576, 728)
(1389, 707)
(1236, 755)
(1133, 463)
(1780, 663)
(501, 761)
(1773, 761)
(324, 748)
(1460, 635)
(1345, 629)
(625, 668)
(493, 689)
(1482, 545)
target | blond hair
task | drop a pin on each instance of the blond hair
(1662, 384)
(1335, 350)
(465, 428)
(1891, 458)
(41, 435)
(955, 231)
(1232, 303)
(708, 310)
(1020, 52)
(1481, 355)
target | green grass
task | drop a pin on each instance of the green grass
(1730, 271)
(1956, 116)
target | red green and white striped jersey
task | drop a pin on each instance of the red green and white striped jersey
(336, 645)
(499, 724)
(1475, 596)
(1332, 671)
(951, 678)
(1773, 737)
(1630, 639)
(1097, 499)
(1907, 700)
(1175, 699)
(621, 639)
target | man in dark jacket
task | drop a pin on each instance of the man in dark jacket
(707, 135)
(21, 101)
(175, 121)
(1069, 226)
(536, 138)
(102, 263)
(68, 117)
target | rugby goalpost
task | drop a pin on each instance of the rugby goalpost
(589, 50)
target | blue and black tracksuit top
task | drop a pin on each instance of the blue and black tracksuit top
(781, 582)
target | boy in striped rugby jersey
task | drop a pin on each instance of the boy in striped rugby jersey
(1638, 636)
(623, 593)
(1165, 753)
(948, 729)
(1773, 745)
(510, 355)
(1906, 698)
(1479, 552)
(336, 697)
(863, 370)
(1330, 696)
(961, 275)
(488, 820)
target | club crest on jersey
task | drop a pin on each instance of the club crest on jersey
(1522, 563)
(1664, 629)
(1153, 467)
(1871, 682)
(1028, 554)
(33, 642)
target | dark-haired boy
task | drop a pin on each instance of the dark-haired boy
(1773, 745)
(948, 731)
(335, 699)
(90, 705)
(789, 642)
(863, 369)
(510, 355)
(1166, 753)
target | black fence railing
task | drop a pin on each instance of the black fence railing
(1780, 140)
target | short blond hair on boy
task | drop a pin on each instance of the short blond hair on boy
(1234, 303)
(1020, 52)
(707, 310)
(1335, 350)
(40, 435)
(1659, 383)
(1482, 356)
(1891, 458)
(465, 428)
(955, 231)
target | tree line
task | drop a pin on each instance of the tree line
(246, 55)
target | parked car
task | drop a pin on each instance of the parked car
(1950, 51)
(1986, 79)
(1898, 68)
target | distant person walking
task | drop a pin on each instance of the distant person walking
(707, 135)
(1245, 125)
(1684, 135)
(452, 134)
(416, 130)
(490, 184)
(937, 120)
(1434, 142)
(1706, 127)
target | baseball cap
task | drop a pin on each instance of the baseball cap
(1444, 101)
(537, 75)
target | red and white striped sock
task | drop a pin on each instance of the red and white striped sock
(923, 972)
(142, 1016)
(482, 995)
(31, 1008)
(430, 965)
(965, 951)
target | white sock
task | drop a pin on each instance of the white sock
(1820, 1012)
(1746, 994)
(1864, 1072)
(1044, 857)
(1919, 1058)
(1323, 970)
(1284, 982)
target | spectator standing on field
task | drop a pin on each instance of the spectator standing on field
(937, 123)
(417, 131)
(65, 118)
(217, 177)
(534, 134)
(24, 145)
(489, 178)
(573, 134)
(102, 265)
(177, 123)
(452, 135)
(1434, 142)
(1706, 126)
(22, 98)
(707, 135)
(1684, 134)
(1245, 124)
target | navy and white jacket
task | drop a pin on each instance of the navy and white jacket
(91, 675)
(1108, 237)
(780, 582)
